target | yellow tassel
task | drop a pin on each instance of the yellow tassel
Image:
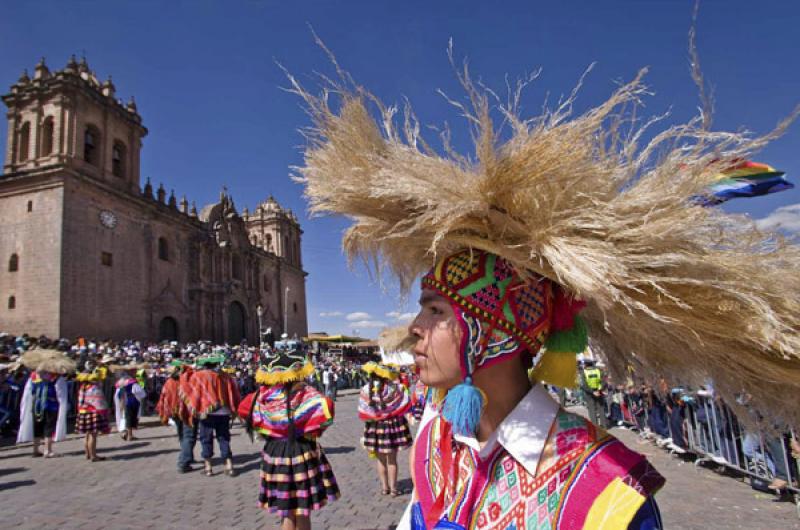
(557, 368)
(273, 378)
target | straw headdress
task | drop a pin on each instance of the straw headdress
(47, 360)
(672, 288)
(132, 366)
(396, 339)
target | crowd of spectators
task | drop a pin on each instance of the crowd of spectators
(336, 368)
(691, 423)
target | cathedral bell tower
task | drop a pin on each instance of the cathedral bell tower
(70, 119)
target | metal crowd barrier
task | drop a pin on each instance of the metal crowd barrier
(715, 434)
(708, 429)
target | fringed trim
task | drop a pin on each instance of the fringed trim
(385, 372)
(264, 377)
(97, 375)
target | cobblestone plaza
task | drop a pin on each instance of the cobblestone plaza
(138, 487)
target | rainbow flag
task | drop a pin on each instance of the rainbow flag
(745, 179)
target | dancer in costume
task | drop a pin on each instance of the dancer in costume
(559, 229)
(382, 406)
(171, 407)
(290, 415)
(93, 408)
(418, 399)
(128, 398)
(44, 405)
(211, 397)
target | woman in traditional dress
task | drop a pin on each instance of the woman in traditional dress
(92, 408)
(290, 415)
(128, 398)
(383, 404)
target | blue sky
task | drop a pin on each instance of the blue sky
(205, 80)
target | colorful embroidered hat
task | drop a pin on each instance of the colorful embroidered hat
(381, 370)
(285, 363)
(502, 314)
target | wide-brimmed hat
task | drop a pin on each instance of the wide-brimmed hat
(48, 360)
(285, 363)
(216, 358)
(381, 370)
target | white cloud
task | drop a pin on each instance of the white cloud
(401, 317)
(358, 315)
(331, 314)
(365, 324)
(785, 218)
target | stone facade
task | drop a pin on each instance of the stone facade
(88, 252)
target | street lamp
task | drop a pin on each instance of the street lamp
(286, 311)
(259, 312)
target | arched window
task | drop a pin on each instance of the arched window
(268, 243)
(13, 263)
(118, 159)
(294, 305)
(47, 136)
(285, 248)
(163, 249)
(91, 143)
(12, 302)
(30, 206)
(24, 142)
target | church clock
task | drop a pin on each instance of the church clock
(108, 219)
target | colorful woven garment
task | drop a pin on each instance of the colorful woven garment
(296, 477)
(266, 411)
(169, 402)
(387, 401)
(206, 391)
(586, 480)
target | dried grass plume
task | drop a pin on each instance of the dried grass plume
(673, 288)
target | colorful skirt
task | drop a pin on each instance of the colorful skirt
(92, 423)
(296, 477)
(386, 436)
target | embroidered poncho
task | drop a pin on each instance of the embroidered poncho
(206, 391)
(392, 400)
(311, 412)
(169, 402)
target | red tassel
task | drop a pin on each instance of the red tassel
(565, 307)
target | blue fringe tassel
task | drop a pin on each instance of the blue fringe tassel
(463, 407)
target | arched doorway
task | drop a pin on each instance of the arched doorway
(168, 329)
(236, 323)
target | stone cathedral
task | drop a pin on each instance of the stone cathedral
(87, 250)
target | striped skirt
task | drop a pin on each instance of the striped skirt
(386, 436)
(296, 477)
(92, 423)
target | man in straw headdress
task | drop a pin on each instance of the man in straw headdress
(565, 230)
(44, 406)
